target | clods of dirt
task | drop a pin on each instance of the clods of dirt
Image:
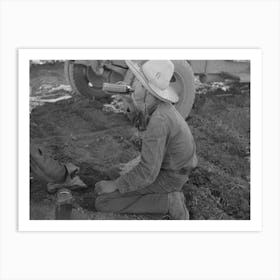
(220, 187)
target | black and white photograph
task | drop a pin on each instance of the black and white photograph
(140, 139)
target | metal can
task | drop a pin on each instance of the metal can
(64, 204)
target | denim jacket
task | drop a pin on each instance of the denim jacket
(167, 145)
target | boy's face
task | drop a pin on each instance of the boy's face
(139, 96)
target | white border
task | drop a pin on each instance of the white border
(254, 55)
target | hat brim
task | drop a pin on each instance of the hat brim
(167, 95)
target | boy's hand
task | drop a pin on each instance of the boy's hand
(102, 187)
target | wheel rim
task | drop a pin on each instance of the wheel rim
(95, 80)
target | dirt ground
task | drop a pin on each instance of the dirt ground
(80, 131)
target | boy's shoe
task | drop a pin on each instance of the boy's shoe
(177, 207)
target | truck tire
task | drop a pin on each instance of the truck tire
(183, 84)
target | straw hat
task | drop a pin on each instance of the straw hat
(155, 76)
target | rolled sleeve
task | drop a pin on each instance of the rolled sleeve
(153, 149)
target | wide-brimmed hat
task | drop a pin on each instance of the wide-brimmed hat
(155, 76)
